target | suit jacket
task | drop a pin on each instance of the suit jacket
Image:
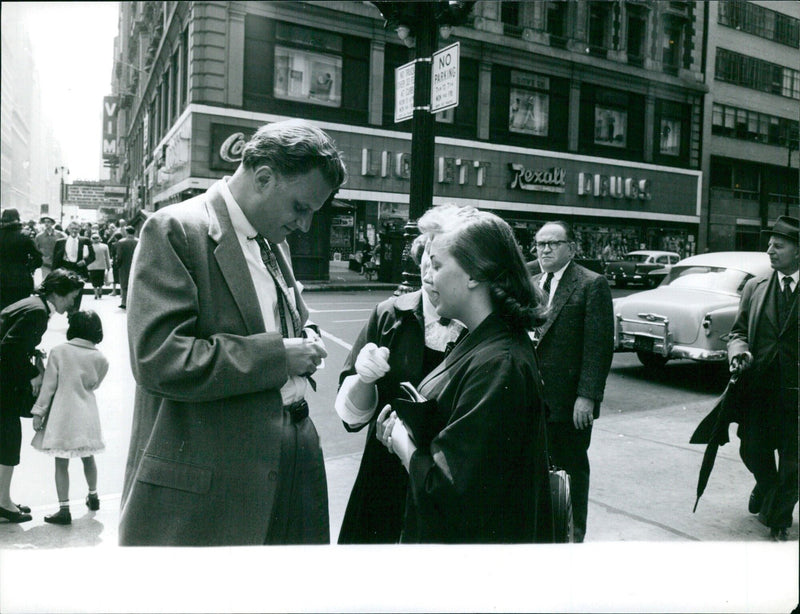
(576, 343)
(757, 330)
(84, 247)
(204, 458)
(22, 325)
(123, 255)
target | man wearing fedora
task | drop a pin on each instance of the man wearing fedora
(763, 350)
(46, 243)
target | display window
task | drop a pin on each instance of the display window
(529, 104)
(308, 77)
(670, 141)
(610, 126)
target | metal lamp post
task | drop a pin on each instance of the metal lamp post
(62, 170)
(419, 24)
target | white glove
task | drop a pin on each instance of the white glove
(372, 363)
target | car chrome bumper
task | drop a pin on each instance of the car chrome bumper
(659, 342)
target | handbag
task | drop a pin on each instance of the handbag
(418, 414)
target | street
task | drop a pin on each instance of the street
(644, 471)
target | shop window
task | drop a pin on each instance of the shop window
(529, 104)
(308, 76)
(610, 126)
(721, 174)
(670, 137)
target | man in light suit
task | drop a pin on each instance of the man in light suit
(763, 350)
(575, 347)
(74, 253)
(222, 450)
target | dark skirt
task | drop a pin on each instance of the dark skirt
(97, 277)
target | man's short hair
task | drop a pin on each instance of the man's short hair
(295, 147)
(130, 230)
(570, 234)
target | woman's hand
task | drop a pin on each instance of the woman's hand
(372, 363)
(38, 422)
(384, 426)
(36, 384)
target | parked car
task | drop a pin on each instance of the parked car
(644, 266)
(691, 313)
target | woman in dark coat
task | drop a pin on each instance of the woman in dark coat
(484, 476)
(402, 342)
(19, 258)
(22, 325)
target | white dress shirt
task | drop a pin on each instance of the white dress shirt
(794, 277)
(295, 387)
(71, 249)
(553, 282)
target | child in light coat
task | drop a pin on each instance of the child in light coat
(65, 415)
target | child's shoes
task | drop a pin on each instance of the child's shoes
(62, 516)
(93, 502)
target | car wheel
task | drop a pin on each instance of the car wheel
(650, 360)
(622, 283)
(651, 282)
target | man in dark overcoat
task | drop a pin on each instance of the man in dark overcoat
(123, 258)
(575, 348)
(222, 449)
(763, 350)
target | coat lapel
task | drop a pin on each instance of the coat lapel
(232, 264)
(566, 286)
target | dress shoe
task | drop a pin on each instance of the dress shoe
(93, 502)
(62, 516)
(779, 535)
(16, 516)
(756, 500)
(23, 508)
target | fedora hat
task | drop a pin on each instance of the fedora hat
(785, 226)
(45, 218)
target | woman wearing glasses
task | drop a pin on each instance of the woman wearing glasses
(484, 476)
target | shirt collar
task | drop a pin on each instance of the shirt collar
(84, 343)
(241, 225)
(794, 276)
(557, 275)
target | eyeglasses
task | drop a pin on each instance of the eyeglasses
(550, 244)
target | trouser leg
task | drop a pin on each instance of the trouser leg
(568, 448)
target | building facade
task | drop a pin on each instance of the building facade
(586, 111)
(751, 120)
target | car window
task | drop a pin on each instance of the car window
(709, 278)
(673, 259)
(663, 260)
(636, 257)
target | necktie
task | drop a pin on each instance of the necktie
(284, 304)
(546, 287)
(786, 299)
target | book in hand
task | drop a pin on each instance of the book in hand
(418, 414)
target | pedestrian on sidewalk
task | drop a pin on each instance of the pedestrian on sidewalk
(98, 269)
(65, 415)
(402, 341)
(123, 250)
(22, 325)
(762, 350)
(575, 348)
(74, 253)
(223, 451)
(19, 258)
(483, 478)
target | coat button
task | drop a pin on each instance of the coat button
(273, 475)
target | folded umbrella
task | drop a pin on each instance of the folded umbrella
(713, 431)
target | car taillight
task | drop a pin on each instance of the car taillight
(707, 325)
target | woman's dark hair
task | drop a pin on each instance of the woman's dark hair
(60, 282)
(485, 247)
(85, 325)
